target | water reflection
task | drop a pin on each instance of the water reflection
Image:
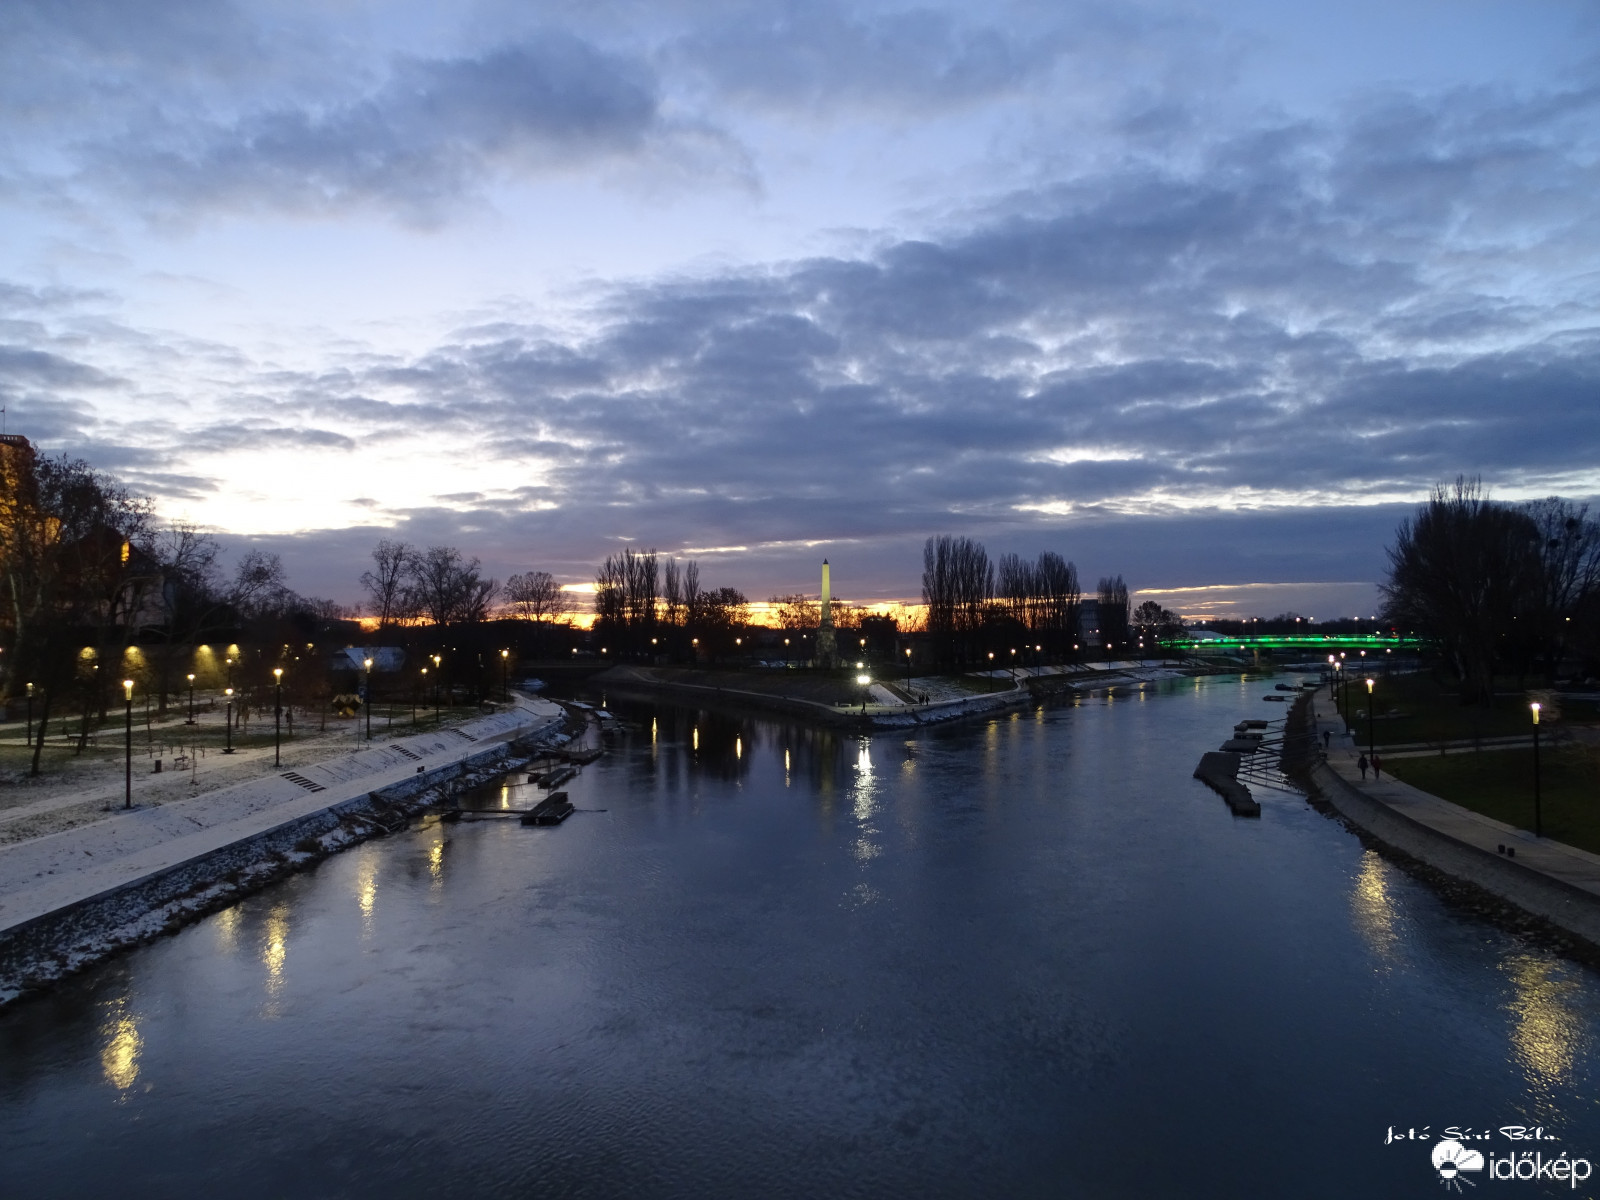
(119, 1056)
(226, 924)
(367, 891)
(1548, 1028)
(1373, 908)
(275, 950)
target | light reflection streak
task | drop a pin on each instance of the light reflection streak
(275, 948)
(1373, 907)
(1548, 1029)
(227, 927)
(436, 863)
(119, 1057)
(864, 802)
(367, 893)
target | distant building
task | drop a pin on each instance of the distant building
(1203, 635)
(1089, 621)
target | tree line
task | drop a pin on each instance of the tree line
(1508, 588)
(648, 605)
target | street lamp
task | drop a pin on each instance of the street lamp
(1369, 719)
(1013, 666)
(505, 672)
(228, 728)
(908, 666)
(190, 721)
(277, 717)
(438, 712)
(864, 680)
(30, 714)
(366, 699)
(1538, 816)
(424, 689)
(127, 745)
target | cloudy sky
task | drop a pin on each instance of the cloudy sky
(1206, 294)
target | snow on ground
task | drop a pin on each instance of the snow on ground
(45, 873)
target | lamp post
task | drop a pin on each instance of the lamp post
(438, 711)
(277, 717)
(190, 721)
(423, 688)
(366, 700)
(908, 668)
(1370, 746)
(228, 727)
(865, 681)
(127, 745)
(505, 673)
(1013, 666)
(1538, 816)
(30, 715)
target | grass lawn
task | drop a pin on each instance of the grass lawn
(1499, 784)
(1415, 708)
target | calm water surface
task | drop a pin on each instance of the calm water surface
(1030, 957)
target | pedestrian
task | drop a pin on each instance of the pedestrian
(1361, 764)
(1327, 738)
(1377, 766)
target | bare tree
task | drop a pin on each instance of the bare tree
(448, 589)
(534, 596)
(386, 584)
(1459, 571)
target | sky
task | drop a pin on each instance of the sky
(1207, 295)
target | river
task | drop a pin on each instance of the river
(1028, 956)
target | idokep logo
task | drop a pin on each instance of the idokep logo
(1453, 1161)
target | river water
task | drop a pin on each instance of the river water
(1023, 957)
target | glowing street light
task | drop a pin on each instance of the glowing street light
(366, 697)
(865, 681)
(30, 715)
(277, 717)
(228, 726)
(505, 673)
(127, 745)
(1538, 816)
(1369, 721)
(190, 721)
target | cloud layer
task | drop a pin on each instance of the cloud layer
(1199, 354)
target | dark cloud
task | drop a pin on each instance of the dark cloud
(429, 136)
(821, 56)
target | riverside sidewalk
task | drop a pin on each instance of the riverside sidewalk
(1554, 880)
(47, 874)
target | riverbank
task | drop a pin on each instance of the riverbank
(1554, 882)
(70, 898)
(887, 705)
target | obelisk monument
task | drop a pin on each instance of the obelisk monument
(826, 655)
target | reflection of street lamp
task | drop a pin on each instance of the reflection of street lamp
(1369, 720)
(190, 721)
(277, 717)
(366, 698)
(127, 746)
(228, 728)
(1538, 816)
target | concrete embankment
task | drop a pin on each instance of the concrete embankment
(69, 899)
(766, 693)
(1219, 770)
(1553, 881)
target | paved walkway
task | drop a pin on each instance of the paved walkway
(45, 874)
(1556, 860)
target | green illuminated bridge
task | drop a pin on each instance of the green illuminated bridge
(1271, 641)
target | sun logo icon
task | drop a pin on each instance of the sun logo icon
(1450, 1159)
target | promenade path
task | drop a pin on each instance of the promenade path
(44, 875)
(1478, 841)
